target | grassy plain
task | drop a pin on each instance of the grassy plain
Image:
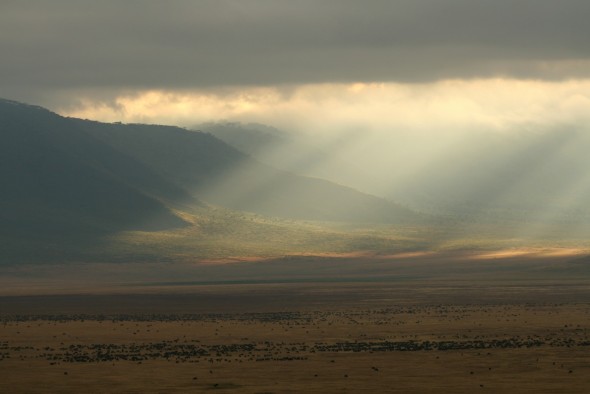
(451, 336)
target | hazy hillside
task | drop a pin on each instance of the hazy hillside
(221, 175)
(314, 155)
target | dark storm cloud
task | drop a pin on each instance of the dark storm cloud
(61, 44)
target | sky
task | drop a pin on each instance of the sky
(314, 65)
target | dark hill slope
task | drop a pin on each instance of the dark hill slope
(57, 179)
(221, 175)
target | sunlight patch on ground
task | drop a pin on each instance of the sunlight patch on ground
(530, 253)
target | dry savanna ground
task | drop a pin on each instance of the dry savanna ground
(346, 337)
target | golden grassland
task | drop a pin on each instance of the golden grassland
(217, 234)
(438, 337)
(223, 234)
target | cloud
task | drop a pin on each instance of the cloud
(502, 105)
(143, 45)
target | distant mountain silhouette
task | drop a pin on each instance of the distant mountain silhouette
(64, 175)
(300, 153)
(251, 138)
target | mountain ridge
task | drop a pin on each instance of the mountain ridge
(57, 179)
(72, 174)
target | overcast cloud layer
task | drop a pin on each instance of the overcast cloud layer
(53, 46)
